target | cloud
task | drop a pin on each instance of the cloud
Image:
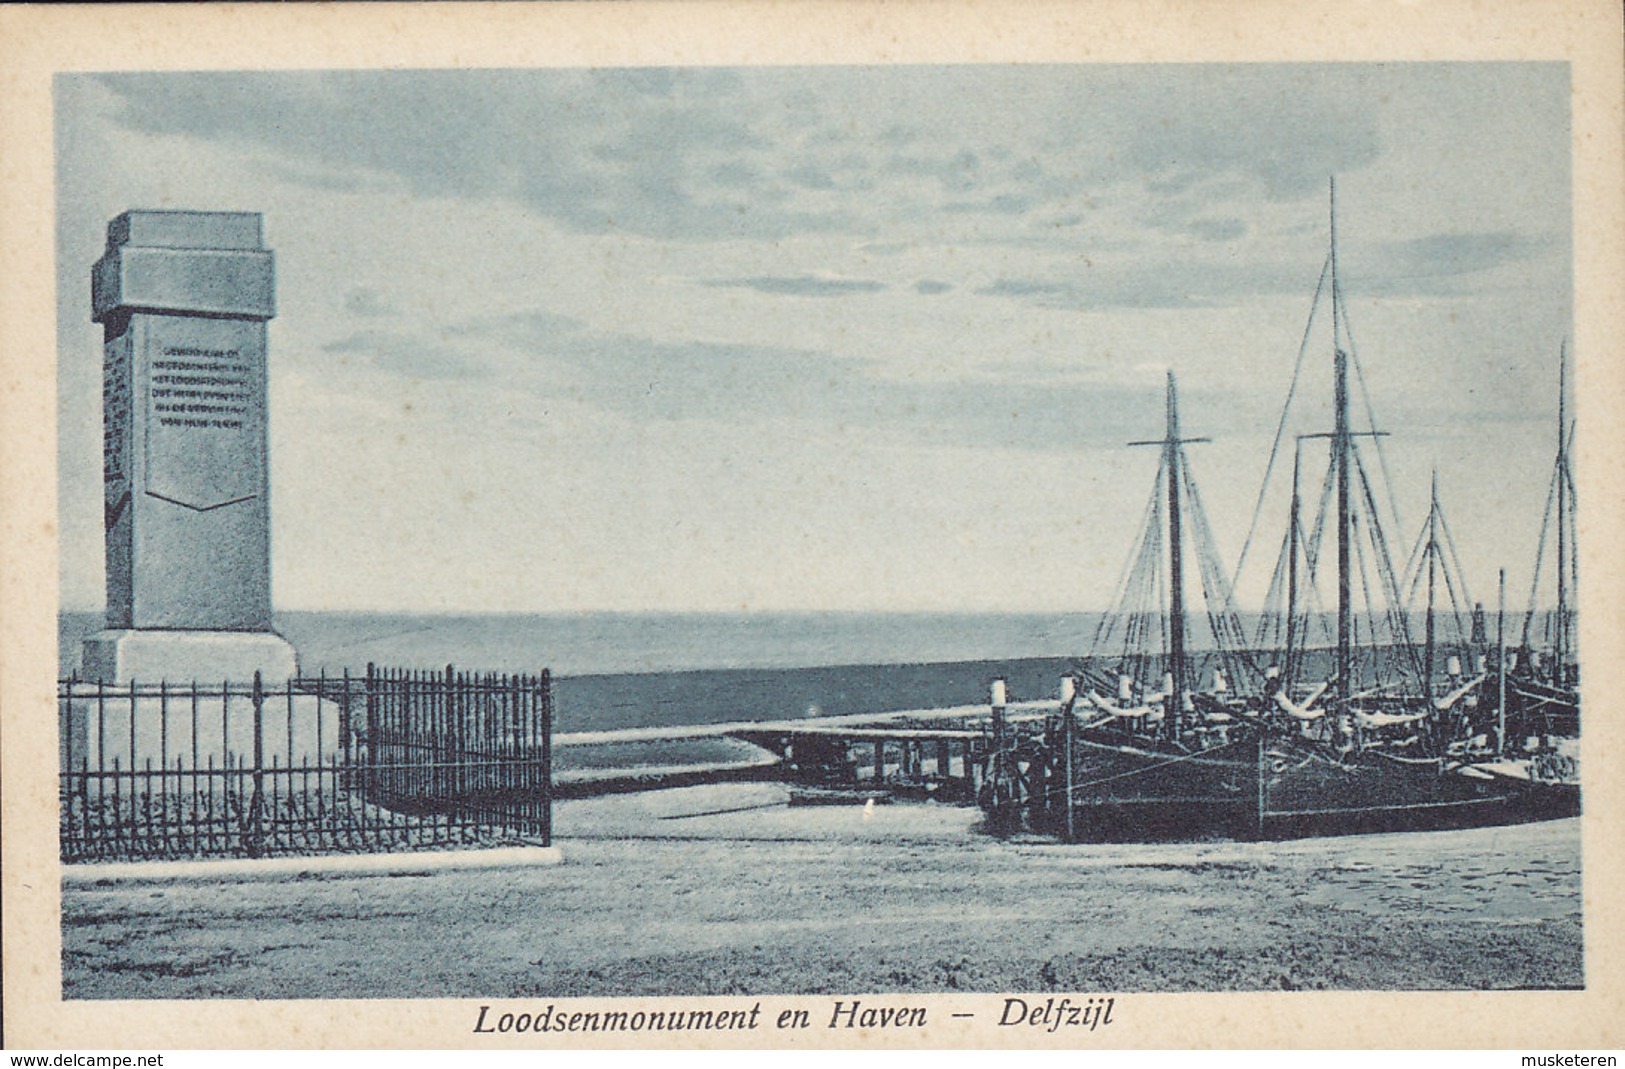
(543, 361)
(536, 327)
(1025, 287)
(801, 285)
(1436, 255)
(809, 175)
(1130, 286)
(553, 358)
(1217, 229)
(720, 153)
(366, 302)
(663, 153)
(931, 287)
(780, 389)
(405, 354)
(646, 379)
(999, 204)
(1285, 128)
(1431, 265)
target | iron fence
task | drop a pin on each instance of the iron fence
(392, 760)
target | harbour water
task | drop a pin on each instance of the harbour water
(628, 670)
(620, 670)
(618, 643)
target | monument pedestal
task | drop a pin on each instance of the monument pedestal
(183, 299)
(185, 657)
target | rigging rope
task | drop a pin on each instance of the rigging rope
(1280, 427)
(1270, 619)
(1119, 602)
(1312, 551)
(1455, 609)
(1399, 626)
(1370, 409)
(1358, 546)
(1413, 561)
(1218, 596)
(1450, 544)
(1540, 552)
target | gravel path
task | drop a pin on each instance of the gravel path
(723, 889)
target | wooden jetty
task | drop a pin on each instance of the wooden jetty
(942, 754)
(940, 762)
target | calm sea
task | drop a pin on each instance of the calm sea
(618, 643)
(615, 670)
(633, 669)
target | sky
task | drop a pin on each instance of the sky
(835, 338)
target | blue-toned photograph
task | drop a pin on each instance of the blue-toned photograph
(692, 531)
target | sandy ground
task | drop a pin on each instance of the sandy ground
(721, 889)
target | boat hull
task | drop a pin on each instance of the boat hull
(1127, 792)
(1308, 790)
(1540, 709)
(1278, 787)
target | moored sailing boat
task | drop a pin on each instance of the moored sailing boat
(1278, 754)
(1544, 686)
(1376, 755)
(1174, 760)
(1459, 713)
(1536, 735)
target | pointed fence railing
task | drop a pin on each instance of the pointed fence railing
(391, 760)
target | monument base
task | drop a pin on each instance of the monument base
(185, 657)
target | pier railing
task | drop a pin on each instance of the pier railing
(386, 761)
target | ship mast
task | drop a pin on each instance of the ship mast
(1432, 552)
(1173, 472)
(1560, 498)
(1176, 564)
(1560, 669)
(1341, 459)
(1501, 667)
(1293, 521)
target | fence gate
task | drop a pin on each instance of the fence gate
(393, 760)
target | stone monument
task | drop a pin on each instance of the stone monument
(184, 298)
